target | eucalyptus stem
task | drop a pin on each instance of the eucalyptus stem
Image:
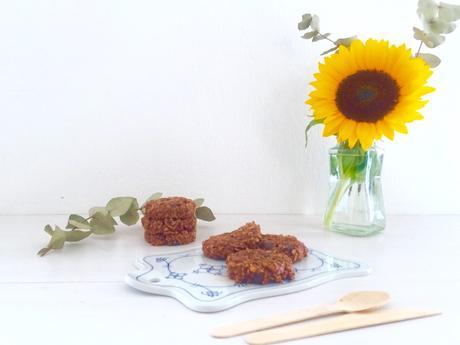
(327, 38)
(419, 48)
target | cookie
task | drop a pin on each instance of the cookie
(169, 221)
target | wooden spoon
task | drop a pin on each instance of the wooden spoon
(352, 302)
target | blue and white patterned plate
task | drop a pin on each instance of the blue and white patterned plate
(201, 284)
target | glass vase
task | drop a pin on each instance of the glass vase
(355, 205)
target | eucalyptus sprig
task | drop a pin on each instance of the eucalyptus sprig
(312, 21)
(437, 19)
(101, 220)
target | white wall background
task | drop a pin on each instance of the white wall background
(199, 98)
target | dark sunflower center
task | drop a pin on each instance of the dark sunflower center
(367, 96)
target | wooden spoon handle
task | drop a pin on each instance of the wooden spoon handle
(334, 324)
(274, 321)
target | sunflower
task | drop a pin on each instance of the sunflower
(369, 90)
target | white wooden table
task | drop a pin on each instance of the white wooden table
(77, 295)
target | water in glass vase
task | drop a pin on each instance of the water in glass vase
(355, 204)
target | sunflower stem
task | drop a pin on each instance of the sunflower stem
(339, 191)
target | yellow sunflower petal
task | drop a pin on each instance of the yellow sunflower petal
(357, 51)
(366, 134)
(400, 127)
(386, 129)
(352, 138)
(332, 127)
(348, 127)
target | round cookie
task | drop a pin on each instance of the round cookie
(259, 266)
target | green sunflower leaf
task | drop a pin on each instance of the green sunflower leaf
(204, 213)
(312, 123)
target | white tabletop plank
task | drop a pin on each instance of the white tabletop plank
(77, 295)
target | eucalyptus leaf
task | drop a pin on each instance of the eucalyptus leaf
(49, 230)
(43, 251)
(432, 60)
(315, 23)
(102, 224)
(310, 34)
(155, 196)
(56, 242)
(57, 239)
(419, 34)
(330, 50)
(77, 221)
(320, 37)
(346, 41)
(97, 209)
(119, 205)
(305, 23)
(312, 123)
(132, 216)
(204, 213)
(76, 235)
(448, 12)
(437, 26)
(198, 202)
(427, 9)
(431, 40)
